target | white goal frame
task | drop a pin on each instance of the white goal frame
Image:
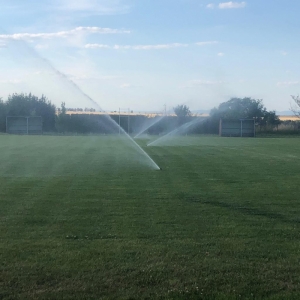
(24, 125)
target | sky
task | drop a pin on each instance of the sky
(142, 55)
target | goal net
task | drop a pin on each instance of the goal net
(24, 125)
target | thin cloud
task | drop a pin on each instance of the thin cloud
(75, 8)
(206, 82)
(221, 54)
(200, 82)
(62, 34)
(229, 5)
(97, 78)
(41, 46)
(129, 86)
(10, 81)
(207, 43)
(93, 7)
(96, 46)
(210, 6)
(136, 47)
(125, 86)
(117, 47)
(167, 46)
(287, 83)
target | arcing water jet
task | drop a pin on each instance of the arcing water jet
(48, 65)
(155, 121)
(178, 131)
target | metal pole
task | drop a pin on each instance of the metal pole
(119, 120)
(241, 128)
(128, 119)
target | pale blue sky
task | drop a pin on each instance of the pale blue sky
(144, 54)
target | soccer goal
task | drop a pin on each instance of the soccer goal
(237, 128)
(24, 125)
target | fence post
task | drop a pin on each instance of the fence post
(128, 119)
(119, 120)
(241, 128)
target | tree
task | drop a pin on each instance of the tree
(61, 123)
(183, 113)
(295, 108)
(63, 110)
(239, 108)
(270, 120)
(242, 108)
(2, 115)
(30, 105)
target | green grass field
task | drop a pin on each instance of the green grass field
(88, 218)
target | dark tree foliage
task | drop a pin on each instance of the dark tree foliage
(62, 120)
(2, 115)
(240, 108)
(30, 105)
(296, 107)
(183, 113)
(270, 120)
(245, 108)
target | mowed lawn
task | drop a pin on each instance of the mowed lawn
(90, 218)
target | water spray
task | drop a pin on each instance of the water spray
(78, 89)
(181, 128)
(155, 121)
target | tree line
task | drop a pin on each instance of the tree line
(235, 108)
(28, 105)
(242, 108)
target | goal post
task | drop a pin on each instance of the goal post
(27, 125)
(237, 128)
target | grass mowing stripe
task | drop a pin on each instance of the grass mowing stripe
(219, 222)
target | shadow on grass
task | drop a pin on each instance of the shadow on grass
(250, 211)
